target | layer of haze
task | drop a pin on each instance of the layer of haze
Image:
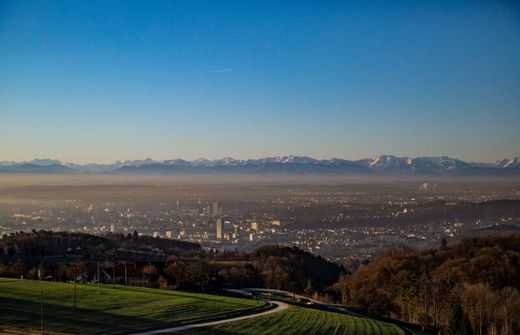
(97, 81)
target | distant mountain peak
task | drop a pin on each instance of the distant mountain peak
(509, 162)
(381, 164)
(45, 162)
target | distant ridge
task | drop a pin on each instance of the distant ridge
(379, 165)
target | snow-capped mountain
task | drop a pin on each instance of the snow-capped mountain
(146, 161)
(509, 163)
(382, 164)
(419, 164)
(35, 168)
(385, 162)
(438, 164)
(176, 162)
(45, 162)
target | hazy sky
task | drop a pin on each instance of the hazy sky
(106, 80)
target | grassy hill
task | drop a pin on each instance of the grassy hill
(113, 310)
(297, 320)
(126, 309)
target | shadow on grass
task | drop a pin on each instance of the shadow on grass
(23, 314)
(227, 315)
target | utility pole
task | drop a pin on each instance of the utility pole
(74, 287)
(125, 263)
(114, 274)
(98, 277)
(41, 312)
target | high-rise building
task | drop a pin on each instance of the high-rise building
(112, 228)
(215, 208)
(220, 228)
(254, 226)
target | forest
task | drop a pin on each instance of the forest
(162, 262)
(468, 288)
(471, 287)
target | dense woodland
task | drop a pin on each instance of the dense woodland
(468, 288)
(34, 246)
(164, 263)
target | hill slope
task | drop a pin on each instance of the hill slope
(130, 309)
(297, 320)
(112, 311)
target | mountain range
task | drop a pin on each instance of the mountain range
(382, 164)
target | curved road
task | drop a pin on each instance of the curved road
(280, 306)
(287, 294)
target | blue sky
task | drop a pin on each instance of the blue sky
(98, 81)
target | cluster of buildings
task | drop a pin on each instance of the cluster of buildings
(334, 226)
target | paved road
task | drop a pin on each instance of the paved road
(291, 295)
(280, 306)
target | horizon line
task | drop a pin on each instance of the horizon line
(511, 157)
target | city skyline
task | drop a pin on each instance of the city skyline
(98, 82)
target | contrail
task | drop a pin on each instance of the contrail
(222, 70)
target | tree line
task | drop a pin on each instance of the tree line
(163, 263)
(469, 288)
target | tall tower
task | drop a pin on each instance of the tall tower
(220, 228)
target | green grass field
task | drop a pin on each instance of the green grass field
(118, 310)
(299, 321)
(126, 309)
